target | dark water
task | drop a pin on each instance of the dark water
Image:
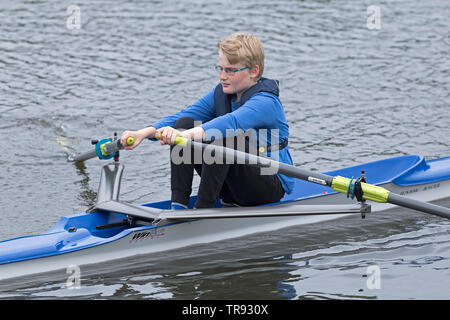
(351, 95)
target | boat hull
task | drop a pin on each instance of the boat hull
(87, 246)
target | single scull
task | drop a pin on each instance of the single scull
(115, 230)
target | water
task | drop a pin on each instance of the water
(351, 95)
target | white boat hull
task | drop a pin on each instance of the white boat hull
(150, 239)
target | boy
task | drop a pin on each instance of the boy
(243, 100)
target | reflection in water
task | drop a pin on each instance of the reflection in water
(87, 195)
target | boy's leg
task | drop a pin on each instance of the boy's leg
(181, 174)
(211, 182)
(245, 186)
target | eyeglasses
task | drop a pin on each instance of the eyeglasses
(229, 71)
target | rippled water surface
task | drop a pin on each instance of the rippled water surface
(351, 95)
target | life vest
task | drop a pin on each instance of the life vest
(222, 103)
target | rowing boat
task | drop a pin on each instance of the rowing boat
(116, 230)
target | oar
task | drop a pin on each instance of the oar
(104, 149)
(337, 183)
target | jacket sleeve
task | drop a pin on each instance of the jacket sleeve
(263, 110)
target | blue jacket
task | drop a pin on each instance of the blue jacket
(259, 108)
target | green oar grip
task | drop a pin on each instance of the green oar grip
(130, 141)
(182, 141)
(370, 192)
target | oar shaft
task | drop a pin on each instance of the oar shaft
(340, 184)
(108, 148)
(314, 177)
(83, 157)
(419, 205)
(251, 159)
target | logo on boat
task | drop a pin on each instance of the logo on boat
(151, 234)
(425, 188)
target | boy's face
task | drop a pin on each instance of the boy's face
(240, 81)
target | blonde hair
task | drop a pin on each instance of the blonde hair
(243, 48)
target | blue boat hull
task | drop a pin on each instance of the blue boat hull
(76, 233)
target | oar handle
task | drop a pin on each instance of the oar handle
(130, 141)
(182, 141)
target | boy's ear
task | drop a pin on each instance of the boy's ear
(254, 72)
